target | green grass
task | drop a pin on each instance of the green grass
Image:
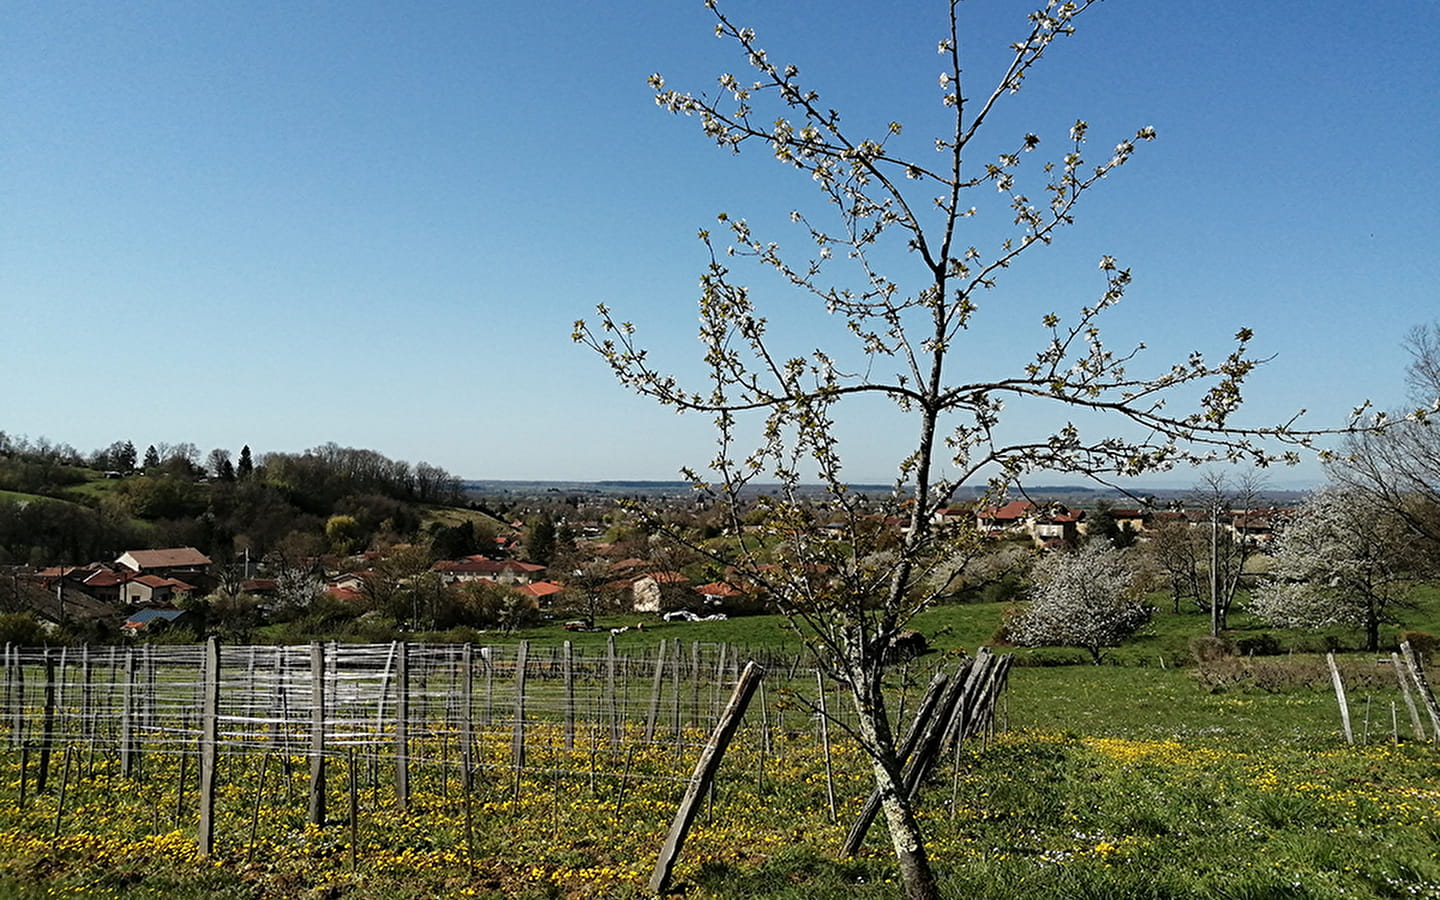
(1132, 779)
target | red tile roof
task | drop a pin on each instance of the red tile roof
(1015, 509)
(539, 589)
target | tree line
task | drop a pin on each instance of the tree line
(85, 507)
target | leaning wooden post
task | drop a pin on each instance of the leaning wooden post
(704, 776)
(402, 727)
(315, 813)
(1417, 671)
(209, 732)
(1416, 727)
(1340, 697)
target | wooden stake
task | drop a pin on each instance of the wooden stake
(1417, 672)
(655, 688)
(47, 724)
(517, 748)
(467, 728)
(611, 707)
(127, 717)
(704, 776)
(255, 810)
(402, 728)
(1340, 697)
(354, 809)
(1416, 727)
(567, 664)
(64, 783)
(209, 724)
(315, 810)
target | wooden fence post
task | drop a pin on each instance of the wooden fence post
(704, 776)
(1417, 671)
(315, 812)
(17, 708)
(568, 665)
(402, 727)
(611, 706)
(1416, 727)
(209, 732)
(87, 717)
(517, 748)
(1340, 697)
(47, 723)
(127, 717)
(675, 689)
(467, 730)
(655, 687)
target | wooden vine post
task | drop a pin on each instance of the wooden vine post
(47, 723)
(402, 727)
(517, 743)
(704, 775)
(656, 685)
(1416, 727)
(467, 725)
(128, 754)
(1422, 685)
(1340, 697)
(315, 813)
(209, 732)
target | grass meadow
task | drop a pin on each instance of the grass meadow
(1141, 778)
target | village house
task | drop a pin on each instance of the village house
(1053, 525)
(483, 568)
(183, 563)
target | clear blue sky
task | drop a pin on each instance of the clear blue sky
(280, 223)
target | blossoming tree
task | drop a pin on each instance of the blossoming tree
(1345, 559)
(902, 263)
(1085, 598)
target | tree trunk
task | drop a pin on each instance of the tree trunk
(915, 871)
(916, 874)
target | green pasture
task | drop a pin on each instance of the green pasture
(1143, 777)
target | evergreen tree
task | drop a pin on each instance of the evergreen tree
(246, 465)
(540, 544)
(152, 457)
(127, 457)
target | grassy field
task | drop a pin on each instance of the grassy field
(1138, 778)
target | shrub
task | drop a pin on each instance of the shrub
(1207, 648)
(1264, 644)
(1422, 643)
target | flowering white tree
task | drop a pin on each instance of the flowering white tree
(913, 250)
(1400, 467)
(1085, 598)
(1345, 559)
